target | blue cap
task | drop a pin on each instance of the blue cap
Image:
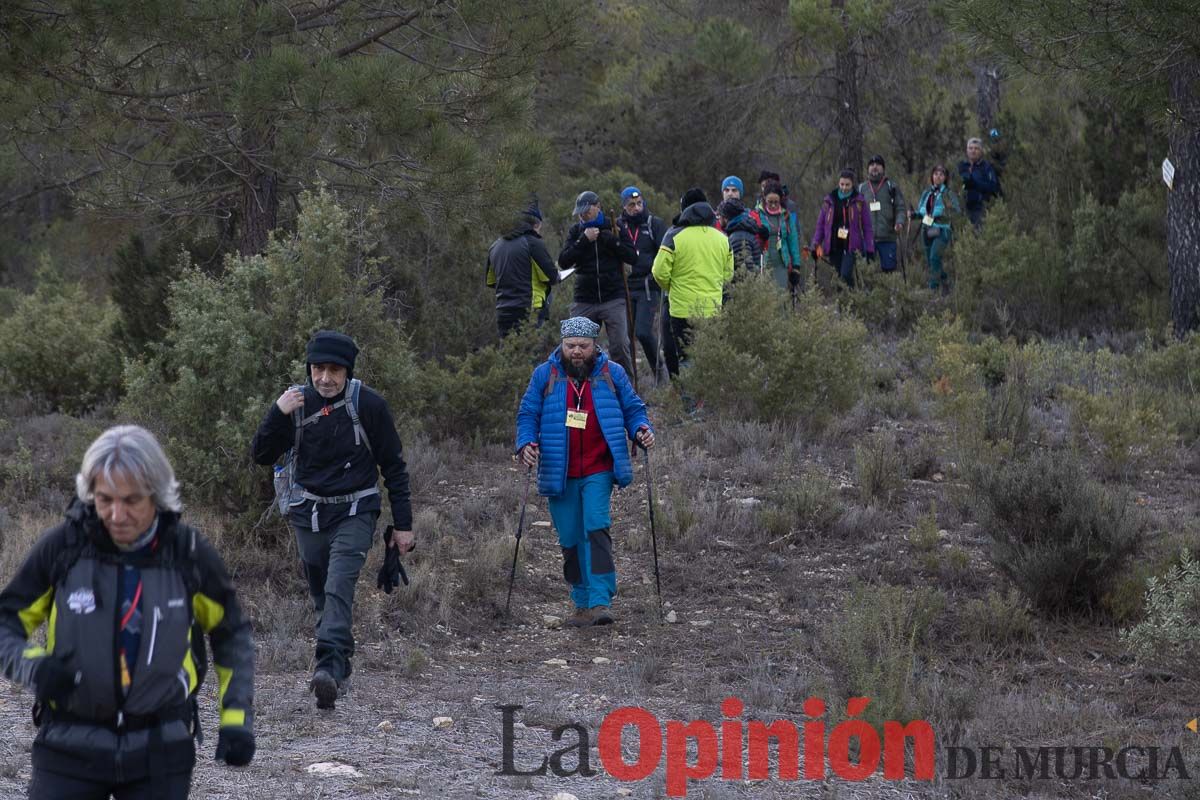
(629, 192)
(735, 182)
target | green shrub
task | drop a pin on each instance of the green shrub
(757, 359)
(1170, 634)
(1058, 535)
(1123, 426)
(1173, 373)
(879, 468)
(872, 648)
(926, 535)
(58, 347)
(236, 341)
(999, 620)
(807, 504)
(476, 396)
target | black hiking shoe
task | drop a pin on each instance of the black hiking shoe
(325, 688)
(602, 615)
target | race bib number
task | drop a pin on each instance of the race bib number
(927, 219)
(876, 206)
(843, 233)
(577, 419)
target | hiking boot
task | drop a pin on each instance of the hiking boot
(325, 688)
(602, 615)
(581, 618)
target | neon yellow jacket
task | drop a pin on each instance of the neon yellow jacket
(694, 263)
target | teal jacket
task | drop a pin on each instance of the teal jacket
(944, 206)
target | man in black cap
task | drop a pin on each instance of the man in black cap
(521, 270)
(599, 256)
(342, 438)
(885, 202)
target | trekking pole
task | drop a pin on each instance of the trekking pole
(512, 571)
(653, 529)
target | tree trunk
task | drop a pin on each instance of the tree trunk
(847, 120)
(987, 96)
(1183, 203)
(259, 208)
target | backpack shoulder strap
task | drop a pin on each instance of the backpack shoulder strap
(606, 376)
(360, 433)
(71, 551)
(550, 383)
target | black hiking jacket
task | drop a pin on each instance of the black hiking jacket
(330, 463)
(512, 259)
(598, 277)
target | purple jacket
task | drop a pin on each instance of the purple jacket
(862, 236)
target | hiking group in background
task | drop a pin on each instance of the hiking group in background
(625, 266)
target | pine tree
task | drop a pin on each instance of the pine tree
(223, 110)
(1143, 53)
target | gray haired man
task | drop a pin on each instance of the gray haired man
(122, 584)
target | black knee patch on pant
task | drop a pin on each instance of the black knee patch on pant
(571, 572)
(602, 558)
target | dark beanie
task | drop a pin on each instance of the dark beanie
(331, 347)
(691, 197)
(731, 209)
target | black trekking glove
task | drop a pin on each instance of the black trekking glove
(794, 277)
(392, 572)
(53, 680)
(235, 746)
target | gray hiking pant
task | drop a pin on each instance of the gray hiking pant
(612, 316)
(332, 561)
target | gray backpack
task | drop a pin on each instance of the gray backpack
(288, 493)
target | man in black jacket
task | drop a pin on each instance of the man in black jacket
(521, 270)
(345, 444)
(599, 256)
(643, 232)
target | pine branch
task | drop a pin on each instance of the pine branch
(374, 37)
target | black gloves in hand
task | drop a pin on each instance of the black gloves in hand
(53, 680)
(794, 277)
(235, 746)
(392, 572)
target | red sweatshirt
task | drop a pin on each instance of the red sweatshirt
(588, 451)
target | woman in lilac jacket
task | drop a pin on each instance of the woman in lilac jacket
(843, 228)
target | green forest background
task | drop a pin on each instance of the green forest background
(189, 190)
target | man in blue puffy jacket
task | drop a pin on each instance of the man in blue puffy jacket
(574, 425)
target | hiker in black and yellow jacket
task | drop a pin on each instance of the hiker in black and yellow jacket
(127, 591)
(520, 269)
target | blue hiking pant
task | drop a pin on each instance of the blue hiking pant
(581, 516)
(886, 252)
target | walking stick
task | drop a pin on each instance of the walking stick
(512, 571)
(653, 530)
(628, 305)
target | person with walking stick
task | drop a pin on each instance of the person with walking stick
(574, 424)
